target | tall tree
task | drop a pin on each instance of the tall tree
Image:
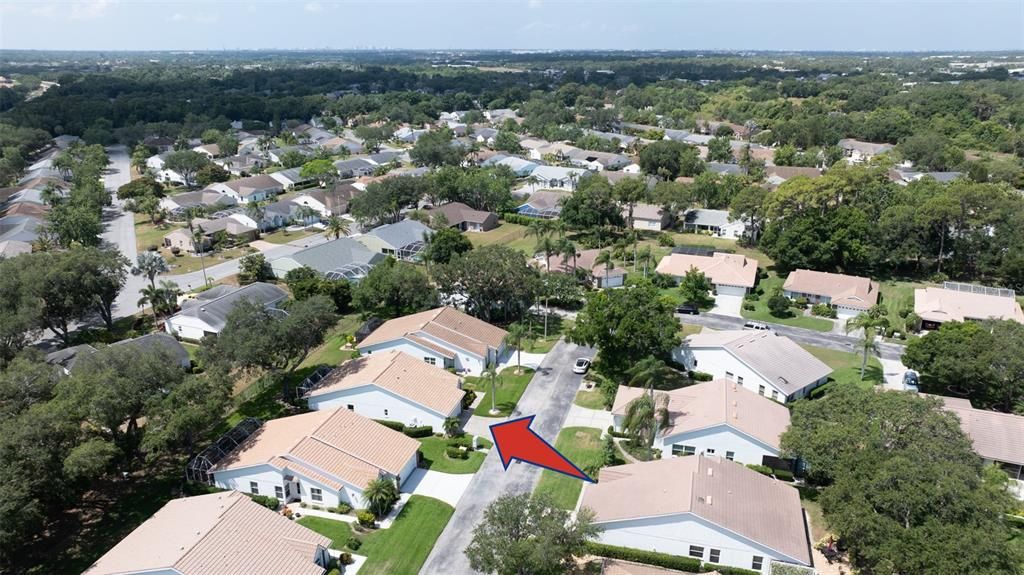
(870, 321)
(494, 281)
(186, 163)
(393, 289)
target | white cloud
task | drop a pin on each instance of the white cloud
(313, 7)
(89, 9)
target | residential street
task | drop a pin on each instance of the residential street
(121, 229)
(549, 396)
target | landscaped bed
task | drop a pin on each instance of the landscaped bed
(582, 446)
(434, 458)
(509, 388)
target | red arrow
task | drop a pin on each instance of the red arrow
(515, 440)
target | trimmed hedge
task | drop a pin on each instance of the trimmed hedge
(343, 508)
(646, 557)
(701, 376)
(726, 570)
(396, 425)
(468, 398)
(456, 453)
(421, 431)
(514, 218)
(271, 503)
(366, 518)
(354, 543)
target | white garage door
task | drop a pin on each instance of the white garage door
(846, 313)
(730, 290)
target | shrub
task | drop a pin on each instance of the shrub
(782, 474)
(823, 310)
(762, 469)
(456, 453)
(354, 543)
(343, 508)
(421, 431)
(889, 331)
(800, 302)
(617, 434)
(726, 570)
(778, 305)
(316, 507)
(749, 307)
(751, 296)
(303, 504)
(701, 376)
(468, 398)
(365, 517)
(663, 281)
(346, 558)
(175, 250)
(646, 557)
(267, 501)
(396, 425)
(666, 241)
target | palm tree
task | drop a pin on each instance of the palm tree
(539, 229)
(152, 296)
(548, 246)
(517, 332)
(380, 493)
(491, 375)
(198, 239)
(451, 426)
(150, 264)
(567, 249)
(305, 213)
(605, 257)
(645, 254)
(644, 416)
(170, 291)
(336, 227)
(869, 321)
(646, 372)
(257, 213)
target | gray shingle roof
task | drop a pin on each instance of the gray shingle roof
(214, 311)
(335, 254)
(401, 234)
(717, 218)
(163, 341)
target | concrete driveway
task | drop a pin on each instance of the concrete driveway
(447, 487)
(549, 397)
(583, 417)
(728, 305)
(893, 370)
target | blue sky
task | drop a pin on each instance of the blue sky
(526, 24)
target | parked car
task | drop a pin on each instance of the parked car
(581, 366)
(760, 326)
(688, 308)
(911, 381)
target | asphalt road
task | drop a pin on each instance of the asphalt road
(549, 396)
(120, 230)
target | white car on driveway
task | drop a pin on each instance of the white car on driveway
(581, 366)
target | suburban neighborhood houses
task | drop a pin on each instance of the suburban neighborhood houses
(510, 312)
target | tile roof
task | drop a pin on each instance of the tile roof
(720, 268)
(942, 305)
(446, 324)
(399, 373)
(777, 358)
(214, 311)
(252, 184)
(848, 291)
(718, 402)
(620, 567)
(646, 212)
(222, 533)
(722, 492)
(343, 445)
(457, 213)
(996, 436)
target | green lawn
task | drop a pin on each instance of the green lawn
(509, 388)
(896, 295)
(330, 353)
(283, 236)
(434, 458)
(761, 312)
(590, 399)
(511, 235)
(337, 531)
(402, 548)
(147, 234)
(557, 327)
(809, 500)
(582, 446)
(847, 367)
(686, 329)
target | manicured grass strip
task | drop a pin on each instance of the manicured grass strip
(847, 367)
(509, 388)
(582, 446)
(402, 548)
(434, 458)
(337, 531)
(590, 399)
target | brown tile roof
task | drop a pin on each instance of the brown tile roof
(585, 260)
(718, 402)
(720, 268)
(646, 212)
(248, 186)
(222, 533)
(996, 436)
(848, 291)
(942, 305)
(399, 373)
(347, 446)
(787, 172)
(457, 213)
(722, 492)
(777, 358)
(445, 324)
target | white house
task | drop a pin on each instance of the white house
(718, 417)
(704, 507)
(224, 532)
(445, 337)
(555, 177)
(857, 151)
(402, 240)
(718, 222)
(158, 163)
(208, 312)
(849, 295)
(252, 189)
(771, 365)
(319, 458)
(731, 274)
(391, 385)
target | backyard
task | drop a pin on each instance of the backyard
(509, 387)
(434, 458)
(511, 235)
(847, 367)
(582, 446)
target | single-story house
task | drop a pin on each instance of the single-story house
(355, 167)
(772, 365)
(858, 151)
(409, 135)
(277, 154)
(731, 274)
(718, 222)
(621, 140)
(445, 337)
(391, 385)
(333, 201)
(499, 115)
(337, 143)
(905, 177)
(224, 532)
(20, 228)
(208, 198)
(291, 177)
(241, 163)
(559, 150)
(935, 306)
(211, 151)
(66, 359)
(849, 295)
(157, 163)
(319, 458)
(403, 240)
(711, 509)
(13, 248)
(252, 189)
(342, 258)
(485, 136)
(724, 169)
(555, 177)
(996, 436)
(208, 312)
(520, 167)
(237, 231)
(600, 276)
(776, 175)
(543, 204)
(649, 217)
(389, 157)
(159, 143)
(598, 161)
(718, 417)
(465, 218)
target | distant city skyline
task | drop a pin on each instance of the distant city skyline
(786, 25)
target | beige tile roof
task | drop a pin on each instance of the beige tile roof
(457, 213)
(777, 358)
(346, 446)
(399, 373)
(620, 567)
(942, 305)
(721, 268)
(645, 212)
(996, 436)
(717, 490)
(446, 324)
(714, 403)
(222, 533)
(848, 291)
(585, 260)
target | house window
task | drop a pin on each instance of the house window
(739, 380)
(710, 451)
(683, 450)
(351, 407)
(730, 455)
(430, 360)
(695, 362)
(714, 555)
(254, 488)
(775, 395)
(279, 492)
(316, 494)
(729, 375)
(757, 563)
(385, 413)
(696, 551)
(760, 390)
(288, 489)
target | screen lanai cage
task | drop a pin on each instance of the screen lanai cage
(310, 382)
(411, 252)
(199, 466)
(348, 272)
